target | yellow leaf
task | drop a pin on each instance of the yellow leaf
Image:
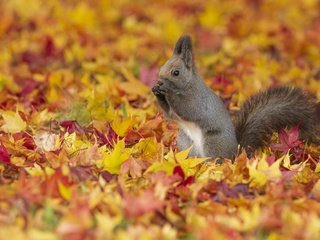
(172, 29)
(121, 126)
(286, 163)
(75, 52)
(316, 189)
(65, 191)
(20, 6)
(13, 123)
(37, 234)
(274, 170)
(36, 170)
(274, 236)
(182, 155)
(211, 17)
(260, 171)
(312, 228)
(247, 219)
(107, 224)
(8, 82)
(73, 144)
(55, 83)
(95, 197)
(82, 16)
(171, 157)
(188, 164)
(133, 85)
(149, 148)
(18, 161)
(113, 160)
(257, 178)
(43, 116)
(166, 167)
(127, 43)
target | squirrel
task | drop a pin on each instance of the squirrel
(205, 124)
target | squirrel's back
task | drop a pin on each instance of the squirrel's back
(272, 110)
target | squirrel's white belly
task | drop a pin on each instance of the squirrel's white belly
(195, 134)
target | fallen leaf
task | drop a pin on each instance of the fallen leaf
(13, 122)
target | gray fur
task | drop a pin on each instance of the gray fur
(185, 97)
(272, 110)
(184, 142)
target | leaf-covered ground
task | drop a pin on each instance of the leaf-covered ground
(85, 152)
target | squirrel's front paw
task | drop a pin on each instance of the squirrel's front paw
(160, 89)
(155, 90)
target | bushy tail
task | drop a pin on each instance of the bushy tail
(272, 110)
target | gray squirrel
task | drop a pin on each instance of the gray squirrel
(205, 123)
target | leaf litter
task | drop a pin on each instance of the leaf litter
(85, 152)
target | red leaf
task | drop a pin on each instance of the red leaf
(189, 180)
(271, 159)
(221, 81)
(49, 48)
(178, 171)
(28, 85)
(146, 202)
(112, 136)
(108, 139)
(28, 141)
(133, 167)
(4, 155)
(81, 173)
(107, 176)
(50, 185)
(149, 75)
(287, 140)
(29, 57)
(72, 126)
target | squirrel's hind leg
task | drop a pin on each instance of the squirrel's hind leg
(218, 145)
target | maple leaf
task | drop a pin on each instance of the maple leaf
(149, 76)
(72, 126)
(144, 203)
(47, 141)
(28, 141)
(112, 160)
(64, 191)
(133, 167)
(260, 171)
(287, 140)
(13, 122)
(108, 139)
(4, 155)
(115, 172)
(28, 85)
(184, 180)
(121, 126)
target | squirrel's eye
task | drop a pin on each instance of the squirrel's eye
(176, 73)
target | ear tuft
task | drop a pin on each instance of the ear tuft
(183, 49)
(183, 43)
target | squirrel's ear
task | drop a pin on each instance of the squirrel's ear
(183, 49)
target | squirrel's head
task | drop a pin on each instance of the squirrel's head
(180, 68)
